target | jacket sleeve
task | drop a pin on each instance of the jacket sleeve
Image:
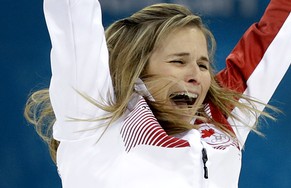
(259, 61)
(79, 62)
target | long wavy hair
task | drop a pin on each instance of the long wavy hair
(131, 42)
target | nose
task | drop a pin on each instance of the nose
(193, 74)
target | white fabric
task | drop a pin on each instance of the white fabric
(266, 77)
(80, 63)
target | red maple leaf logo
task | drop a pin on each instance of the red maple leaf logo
(207, 133)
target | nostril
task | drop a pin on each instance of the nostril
(193, 81)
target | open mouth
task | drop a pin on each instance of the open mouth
(184, 98)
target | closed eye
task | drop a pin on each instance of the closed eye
(177, 61)
(203, 63)
(203, 66)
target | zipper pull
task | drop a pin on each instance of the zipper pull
(205, 159)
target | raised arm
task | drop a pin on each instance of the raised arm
(261, 58)
(79, 60)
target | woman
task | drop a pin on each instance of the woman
(155, 115)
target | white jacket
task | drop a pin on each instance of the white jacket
(135, 151)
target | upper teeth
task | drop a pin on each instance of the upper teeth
(190, 95)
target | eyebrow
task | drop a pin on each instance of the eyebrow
(179, 54)
(182, 54)
(203, 58)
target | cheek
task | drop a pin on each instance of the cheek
(162, 70)
(206, 83)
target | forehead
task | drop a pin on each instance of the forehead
(187, 39)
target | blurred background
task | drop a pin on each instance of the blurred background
(24, 58)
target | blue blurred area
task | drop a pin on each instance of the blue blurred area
(24, 58)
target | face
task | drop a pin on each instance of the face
(182, 57)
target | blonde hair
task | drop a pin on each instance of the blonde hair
(131, 42)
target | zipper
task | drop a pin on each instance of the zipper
(205, 159)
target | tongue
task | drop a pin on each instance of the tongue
(180, 103)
